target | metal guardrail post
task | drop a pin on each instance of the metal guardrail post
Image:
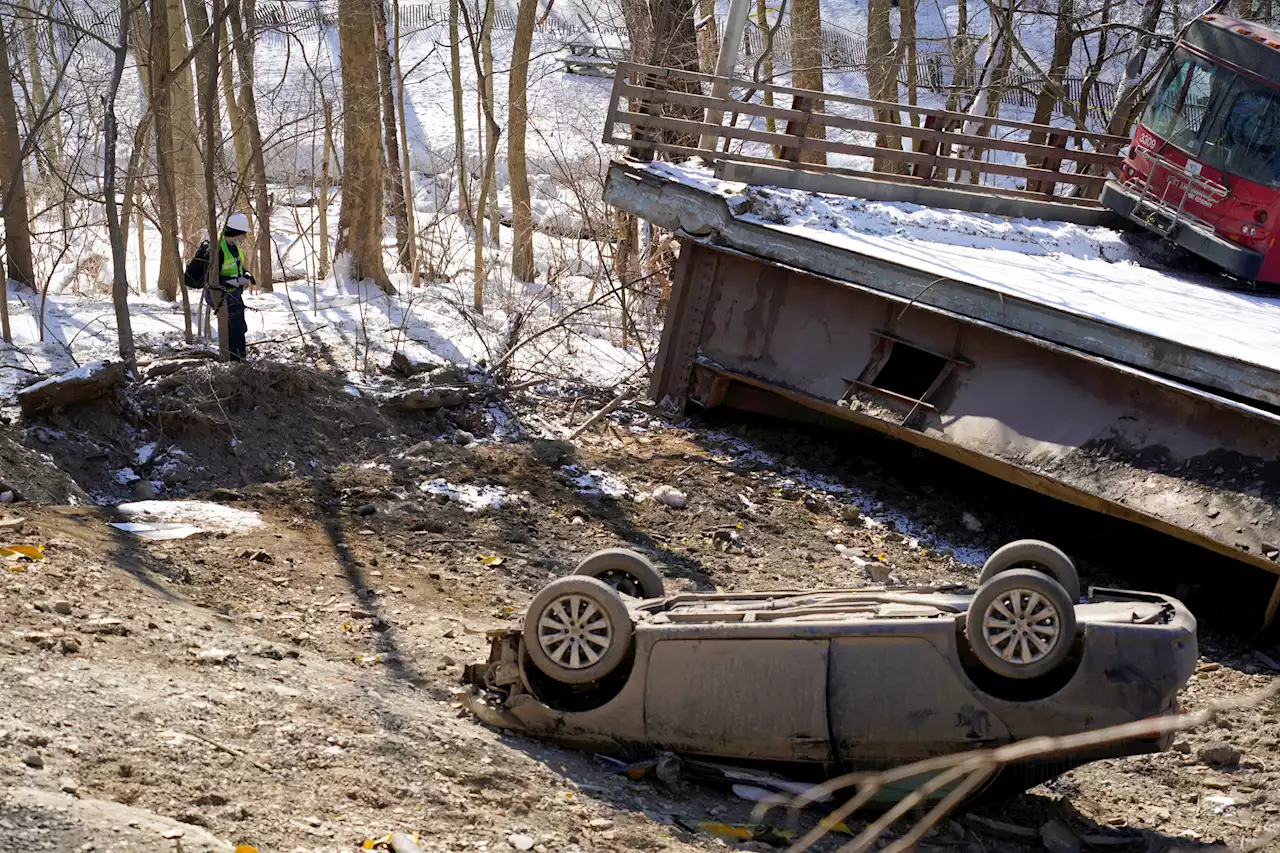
(729, 45)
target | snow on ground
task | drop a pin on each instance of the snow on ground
(1084, 271)
(470, 498)
(206, 516)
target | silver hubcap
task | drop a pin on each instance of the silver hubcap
(1022, 626)
(574, 632)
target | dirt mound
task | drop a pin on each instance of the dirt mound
(193, 425)
(33, 476)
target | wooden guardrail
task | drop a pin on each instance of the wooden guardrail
(665, 110)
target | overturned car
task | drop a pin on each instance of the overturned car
(837, 680)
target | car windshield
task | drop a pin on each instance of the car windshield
(1223, 119)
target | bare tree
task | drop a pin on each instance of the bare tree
(13, 185)
(242, 14)
(459, 139)
(806, 60)
(185, 157)
(517, 166)
(484, 95)
(361, 216)
(116, 234)
(404, 155)
(390, 137)
(884, 62)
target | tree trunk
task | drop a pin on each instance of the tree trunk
(390, 137)
(207, 67)
(708, 36)
(185, 161)
(242, 14)
(116, 235)
(323, 270)
(517, 111)
(907, 34)
(13, 183)
(52, 152)
(806, 59)
(459, 137)
(491, 145)
(484, 90)
(1064, 38)
(407, 163)
(882, 79)
(239, 199)
(212, 133)
(675, 45)
(166, 198)
(762, 23)
(639, 20)
(961, 57)
(362, 213)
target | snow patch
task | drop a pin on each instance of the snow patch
(202, 514)
(144, 453)
(595, 482)
(470, 498)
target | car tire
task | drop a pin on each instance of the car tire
(577, 630)
(626, 571)
(1034, 554)
(1021, 624)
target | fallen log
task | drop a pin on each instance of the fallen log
(87, 382)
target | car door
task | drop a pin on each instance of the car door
(897, 699)
(747, 698)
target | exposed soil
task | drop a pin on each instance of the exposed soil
(291, 686)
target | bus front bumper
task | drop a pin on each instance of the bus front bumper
(1238, 260)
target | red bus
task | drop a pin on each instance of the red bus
(1203, 167)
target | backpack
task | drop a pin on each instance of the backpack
(197, 272)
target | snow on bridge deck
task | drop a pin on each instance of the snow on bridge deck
(1082, 287)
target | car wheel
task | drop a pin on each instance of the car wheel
(624, 570)
(1021, 624)
(1034, 554)
(577, 630)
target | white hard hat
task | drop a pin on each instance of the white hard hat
(238, 222)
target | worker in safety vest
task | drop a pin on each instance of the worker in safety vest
(233, 277)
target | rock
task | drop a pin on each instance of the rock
(463, 437)
(106, 625)
(670, 496)
(87, 382)
(971, 522)
(266, 650)
(8, 496)
(450, 634)
(215, 656)
(12, 525)
(600, 823)
(213, 799)
(34, 739)
(520, 842)
(33, 760)
(1181, 746)
(427, 399)
(422, 448)
(69, 785)
(366, 509)
(850, 514)
(1219, 755)
(261, 557)
(1058, 838)
(69, 645)
(1213, 513)
(407, 367)
(143, 490)
(62, 608)
(449, 375)
(313, 821)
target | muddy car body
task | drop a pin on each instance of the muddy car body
(841, 679)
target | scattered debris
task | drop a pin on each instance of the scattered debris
(670, 496)
(157, 532)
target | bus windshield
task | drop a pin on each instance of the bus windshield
(1221, 118)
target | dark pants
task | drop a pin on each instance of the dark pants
(236, 325)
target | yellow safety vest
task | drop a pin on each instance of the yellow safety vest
(232, 262)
